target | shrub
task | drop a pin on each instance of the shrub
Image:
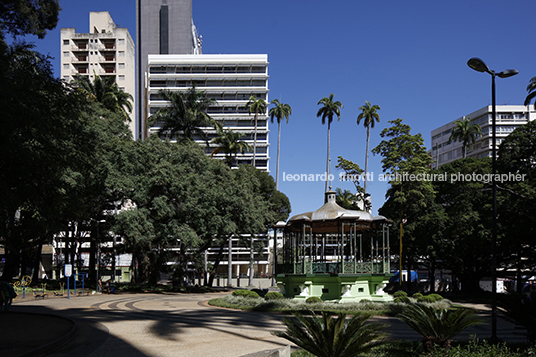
(437, 326)
(403, 299)
(313, 300)
(427, 299)
(400, 294)
(436, 297)
(417, 295)
(245, 293)
(329, 336)
(274, 295)
(260, 292)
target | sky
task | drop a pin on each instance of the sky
(408, 57)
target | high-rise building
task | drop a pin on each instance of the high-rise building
(228, 79)
(163, 27)
(106, 51)
(508, 118)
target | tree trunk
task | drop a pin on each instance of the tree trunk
(250, 282)
(230, 262)
(366, 163)
(327, 165)
(278, 147)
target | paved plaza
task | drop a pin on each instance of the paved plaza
(161, 325)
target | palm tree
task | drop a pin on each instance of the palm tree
(329, 109)
(332, 337)
(531, 88)
(280, 111)
(466, 133)
(257, 106)
(437, 326)
(346, 199)
(229, 143)
(104, 90)
(186, 116)
(368, 112)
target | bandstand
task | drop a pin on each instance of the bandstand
(334, 254)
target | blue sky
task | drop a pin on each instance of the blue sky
(408, 57)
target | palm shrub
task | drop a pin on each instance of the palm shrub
(437, 326)
(520, 309)
(327, 336)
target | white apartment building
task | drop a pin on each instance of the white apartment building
(107, 50)
(508, 118)
(228, 79)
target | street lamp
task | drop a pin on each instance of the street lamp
(478, 65)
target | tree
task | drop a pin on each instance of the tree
(186, 116)
(20, 17)
(279, 111)
(369, 113)
(466, 242)
(405, 160)
(353, 173)
(531, 89)
(229, 142)
(257, 106)
(328, 110)
(466, 133)
(346, 199)
(105, 91)
(516, 200)
(327, 336)
(44, 144)
(437, 326)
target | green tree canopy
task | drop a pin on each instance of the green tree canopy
(23, 17)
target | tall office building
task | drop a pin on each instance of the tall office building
(228, 79)
(107, 50)
(163, 27)
(509, 117)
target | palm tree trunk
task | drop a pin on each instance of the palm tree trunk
(278, 147)
(255, 140)
(327, 163)
(366, 160)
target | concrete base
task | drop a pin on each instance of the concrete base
(336, 287)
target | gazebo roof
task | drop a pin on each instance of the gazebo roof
(326, 219)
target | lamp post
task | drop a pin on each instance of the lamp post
(478, 65)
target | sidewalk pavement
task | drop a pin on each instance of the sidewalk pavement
(161, 325)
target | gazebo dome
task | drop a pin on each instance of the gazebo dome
(330, 211)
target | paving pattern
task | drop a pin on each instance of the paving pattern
(184, 325)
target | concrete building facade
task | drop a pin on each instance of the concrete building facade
(509, 117)
(106, 51)
(228, 79)
(163, 27)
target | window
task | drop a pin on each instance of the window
(65, 54)
(121, 41)
(66, 66)
(121, 65)
(121, 53)
(121, 77)
(65, 42)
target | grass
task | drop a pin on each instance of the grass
(289, 305)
